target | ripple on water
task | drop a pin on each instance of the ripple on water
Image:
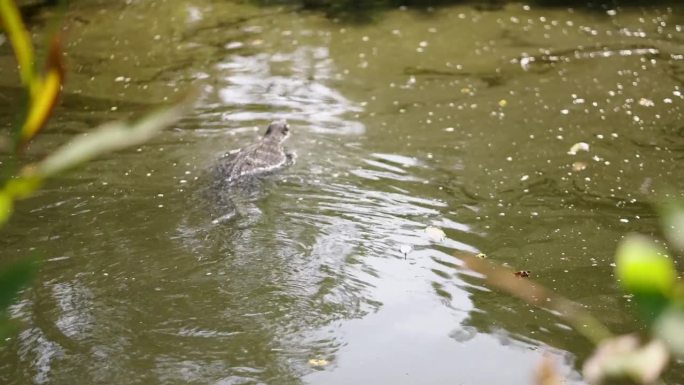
(255, 90)
(330, 260)
(312, 258)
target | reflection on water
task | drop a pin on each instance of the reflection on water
(292, 86)
(457, 118)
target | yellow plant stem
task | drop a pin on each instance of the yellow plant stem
(47, 91)
(20, 39)
(43, 90)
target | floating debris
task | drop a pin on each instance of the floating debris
(405, 249)
(318, 362)
(523, 273)
(579, 166)
(579, 146)
(481, 256)
(646, 102)
(234, 45)
(435, 234)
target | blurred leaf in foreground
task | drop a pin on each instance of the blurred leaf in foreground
(672, 216)
(44, 90)
(624, 357)
(645, 270)
(547, 373)
(17, 188)
(6, 207)
(20, 39)
(13, 279)
(44, 94)
(670, 328)
(536, 294)
(107, 138)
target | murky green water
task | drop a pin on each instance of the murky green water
(455, 117)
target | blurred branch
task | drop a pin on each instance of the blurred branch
(539, 296)
(107, 138)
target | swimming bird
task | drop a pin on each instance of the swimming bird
(263, 157)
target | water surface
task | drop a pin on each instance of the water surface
(457, 117)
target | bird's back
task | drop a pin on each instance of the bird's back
(258, 158)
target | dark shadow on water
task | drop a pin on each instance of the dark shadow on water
(361, 11)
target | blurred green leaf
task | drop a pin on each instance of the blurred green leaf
(6, 206)
(107, 138)
(643, 266)
(14, 189)
(645, 271)
(672, 217)
(22, 187)
(14, 278)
